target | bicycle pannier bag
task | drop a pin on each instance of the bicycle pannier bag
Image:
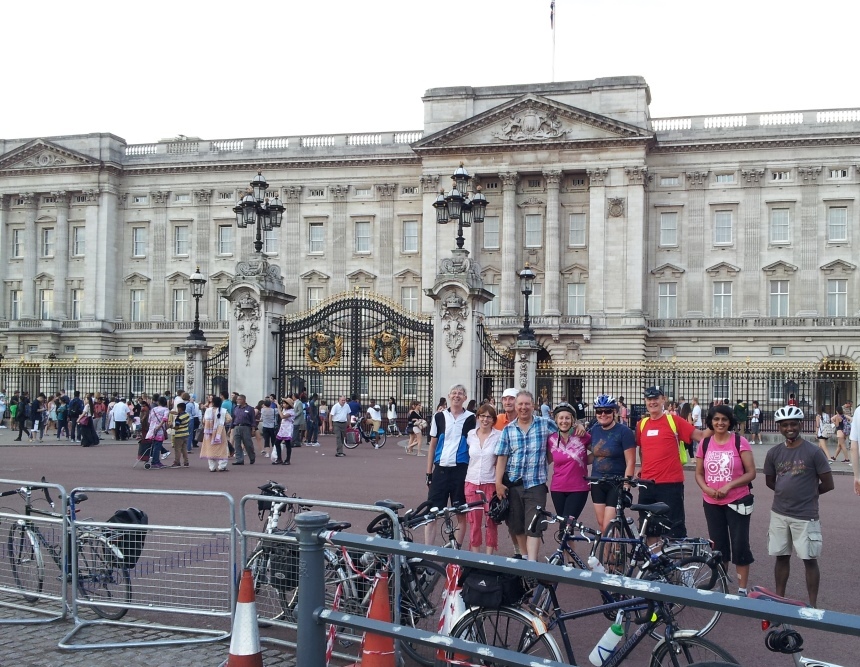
(491, 590)
(129, 541)
(266, 505)
(284, 563)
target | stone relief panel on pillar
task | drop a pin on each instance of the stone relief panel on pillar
(247, 314)
(523, 368)
(453, 311)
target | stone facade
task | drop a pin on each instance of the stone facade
(683, 237)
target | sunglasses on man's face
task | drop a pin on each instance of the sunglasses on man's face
(604, 412)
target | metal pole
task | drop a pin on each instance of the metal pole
(310, 651)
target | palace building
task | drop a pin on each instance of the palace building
(720, 242)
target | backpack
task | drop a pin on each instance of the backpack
(682, 448)
(61, 412)
(28, 410)
(707, 441)
(129, 541)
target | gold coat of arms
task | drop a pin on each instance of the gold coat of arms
(323, 350)
(388, 349)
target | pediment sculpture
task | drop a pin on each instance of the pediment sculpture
(531, 124)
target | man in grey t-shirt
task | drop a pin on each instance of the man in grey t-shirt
(798, 472)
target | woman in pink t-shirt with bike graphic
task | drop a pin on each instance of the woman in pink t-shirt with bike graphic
(570, 459)
(724, 470)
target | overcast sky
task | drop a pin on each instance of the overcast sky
(225, 69)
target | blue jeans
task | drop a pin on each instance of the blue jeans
(155, 453)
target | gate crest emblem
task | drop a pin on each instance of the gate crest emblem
(389, 349)
(323, 349)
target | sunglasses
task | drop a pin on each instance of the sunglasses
(604, 412)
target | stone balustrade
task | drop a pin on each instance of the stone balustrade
(814, 119)
(752, 322)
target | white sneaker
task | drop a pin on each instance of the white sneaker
(266, 454)
(1, 426)
(165, 455)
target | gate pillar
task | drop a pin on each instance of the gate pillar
(196, 352)
(526, 352)
(258, 299)
(459, 297)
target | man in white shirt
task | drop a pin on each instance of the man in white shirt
(697, 413)
(338, 417)
(374, 414)
(120, 417)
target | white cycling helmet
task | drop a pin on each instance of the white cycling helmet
(788, 412)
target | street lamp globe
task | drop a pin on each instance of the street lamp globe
(527, 277)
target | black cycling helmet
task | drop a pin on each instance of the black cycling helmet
(654, 392)
(499, 509)
(564, 407)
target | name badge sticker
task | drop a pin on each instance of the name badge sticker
(652, 431)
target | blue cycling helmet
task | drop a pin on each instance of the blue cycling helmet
(606, 401)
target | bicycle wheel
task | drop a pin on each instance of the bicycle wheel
(507, 628)
(422, 585)
(378, 439)
(694, 572)
(615, 556)
(272, 601)
(352, 439)
(689, 651)
(25, 557)
(100, 580)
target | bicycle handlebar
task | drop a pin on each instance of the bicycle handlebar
(571, 523)
(618, 480)
(441, 513)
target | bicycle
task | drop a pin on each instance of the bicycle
(517, 629)
(648, 562)
(363, 431)
(782, 637)
(103, 574)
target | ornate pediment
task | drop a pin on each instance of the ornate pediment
(575, 272)
(314, 275)
(667, 270)
(723, 268)
(220, 277)
(407, 275)
(135, 278)
(41, 155)
(779, 268)
(532, 120)
(177, 276)
(360, 276)
(838, 266)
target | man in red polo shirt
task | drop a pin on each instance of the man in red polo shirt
(661, 461)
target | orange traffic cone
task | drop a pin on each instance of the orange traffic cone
(376, 650)
(245, 643)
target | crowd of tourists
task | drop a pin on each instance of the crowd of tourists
(509, 455)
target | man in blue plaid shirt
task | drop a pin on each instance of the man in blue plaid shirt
(521, 472)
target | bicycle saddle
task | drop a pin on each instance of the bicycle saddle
(338, 525)
(761, 593)
(657, 509)
(389, 504)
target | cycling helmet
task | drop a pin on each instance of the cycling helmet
(654, 392)
(564, 407)
(787, 413)
(606, 401)
(499, 509)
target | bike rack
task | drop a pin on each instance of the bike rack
(292, 540)
(189, 570)
(57, 590)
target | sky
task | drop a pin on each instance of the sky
(225, 69)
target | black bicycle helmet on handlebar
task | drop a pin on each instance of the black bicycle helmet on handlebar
(499, 509)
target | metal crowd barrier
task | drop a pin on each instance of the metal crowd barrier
(313, 613)
(34, 563)
(181, 570)
(272, 600)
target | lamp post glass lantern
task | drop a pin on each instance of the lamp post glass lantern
(257, 210)
(459, 206)
(527, 277)
(198, 284)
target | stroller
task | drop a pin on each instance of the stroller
(144, 451)
(393, 429)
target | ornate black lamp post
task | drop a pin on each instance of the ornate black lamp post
(457, 205)
(527, 277)
(256, 209)
(198, 283)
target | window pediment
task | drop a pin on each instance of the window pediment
(360, 276)
(314, 276)
(779, 268)
(177, 277)
(723, 269)
(407, 276)
(838, 267)
(667, 271)
(136, 279)
(575, 272)
(491, 275)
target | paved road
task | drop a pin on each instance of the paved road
(365, 475)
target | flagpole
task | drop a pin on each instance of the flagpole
(552, 25)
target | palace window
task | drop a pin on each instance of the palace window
(534, 231)
(180, 305)
(46, 303)
(181, 243)
(47, 245)
(779, 225)
(316, 238)
(17, 245)
(491, 233)
(669, 180)
(270, 242)
(77, 298)
(837, 223)
(15, 304)
(138, 241)
(79, 241)
(410, 236)
(362, 237)
(136, 312)
(536, 300)
(315, 296)
(409, 298)
(491, 308)
(669, 229)
(837, 298)
(576, 299)
(576, 230)
(722, 228)
(722, 299)
(725, 178)
(667, 301)
(225, 239)
(778, 298)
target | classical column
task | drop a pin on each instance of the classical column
(594, 293)
(695, 239)
(95, 256)
(31, 252)
(752, 231)
(341, 241)
(292, 235)
(632, 256)
(809, 302)
(108, 248)
(158, 293)
(61, 255)
(509, 244)
(553, 244)
(4, 254)
(387, 241)
(203, 233)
